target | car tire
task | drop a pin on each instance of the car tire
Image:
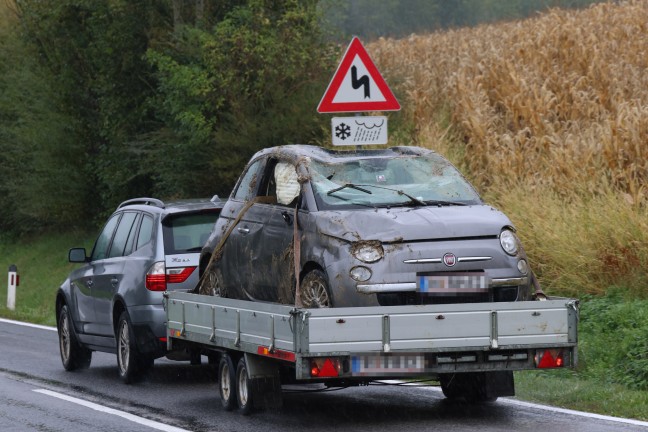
(227, 383)
(73, 355)
(213, 283)
(130, 363)
(314, 290)
(244, 391)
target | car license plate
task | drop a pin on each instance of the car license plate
(374, 364)
(452, 282)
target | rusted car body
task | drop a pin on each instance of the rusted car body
(361, 228)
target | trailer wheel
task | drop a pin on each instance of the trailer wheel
(471, 387)
(227, 382)
(73, 355)
(314, 290)
(244, 392)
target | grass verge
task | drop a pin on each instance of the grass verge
(42, 267)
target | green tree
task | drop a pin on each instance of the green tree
(251, 81)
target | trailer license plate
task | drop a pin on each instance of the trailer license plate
(454, 282)
(373, 364)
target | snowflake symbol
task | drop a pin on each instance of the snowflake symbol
(342, 131)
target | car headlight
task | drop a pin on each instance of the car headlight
(367, 251)
(509, 242)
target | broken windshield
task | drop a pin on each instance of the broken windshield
(390, 182)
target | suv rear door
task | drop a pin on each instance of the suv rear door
(184, 236)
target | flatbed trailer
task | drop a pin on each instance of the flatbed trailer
(472, 349)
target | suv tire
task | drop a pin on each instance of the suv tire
(130, 363)
(73, 355)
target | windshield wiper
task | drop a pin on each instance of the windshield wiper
(441, 203)
(348, 185)
(413, 199)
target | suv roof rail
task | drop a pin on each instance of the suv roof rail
(144, 201)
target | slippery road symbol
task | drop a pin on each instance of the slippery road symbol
(362, 81)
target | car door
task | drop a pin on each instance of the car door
(235, 263)
(82, 280)
(268, 251)
(109, 274)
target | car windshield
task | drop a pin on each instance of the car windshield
(187, 232)
(408, 180)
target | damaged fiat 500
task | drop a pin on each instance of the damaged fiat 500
(395, 226)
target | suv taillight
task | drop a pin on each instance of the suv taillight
(158, 276)
(179, 274)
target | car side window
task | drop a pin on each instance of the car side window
(121, 235)
(145, 232)
(247, 188)
(130, 242)
(101, 245)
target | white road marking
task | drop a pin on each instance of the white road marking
(125, 415)
(26, 324)
(538, 406)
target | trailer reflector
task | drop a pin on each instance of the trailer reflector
(549, 358)
(278, 354)
(325, 367)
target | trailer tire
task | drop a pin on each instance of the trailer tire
(314, 290)
(73, 355)
(227, 382)
(244, 390)
(471, 387)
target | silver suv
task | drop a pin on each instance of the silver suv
(113, 303)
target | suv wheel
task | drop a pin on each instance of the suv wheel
(130, 362)
(73, 354)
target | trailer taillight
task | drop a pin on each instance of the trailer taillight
(325, 367)
(549, 358)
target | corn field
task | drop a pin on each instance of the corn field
(549, 119)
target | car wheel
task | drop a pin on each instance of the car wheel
(244, 393)
(213, 283)
(73, 354)
(130, 362)
(314, 290)
(227, 382)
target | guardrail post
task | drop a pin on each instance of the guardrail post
(12, 282)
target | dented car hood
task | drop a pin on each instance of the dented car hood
(410, 224)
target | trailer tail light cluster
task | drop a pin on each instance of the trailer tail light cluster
(327, 367)
(159, 276)
(549, 358)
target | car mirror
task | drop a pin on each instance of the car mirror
(77, 255)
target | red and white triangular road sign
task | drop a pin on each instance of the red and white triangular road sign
(357, 85)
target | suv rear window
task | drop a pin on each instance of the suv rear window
(187, 232)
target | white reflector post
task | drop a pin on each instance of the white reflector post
(12, 281)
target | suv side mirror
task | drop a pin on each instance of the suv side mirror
(77, 255)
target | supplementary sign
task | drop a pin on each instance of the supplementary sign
(357, 85)
(359, 130)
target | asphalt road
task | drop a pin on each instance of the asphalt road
(37, 394)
